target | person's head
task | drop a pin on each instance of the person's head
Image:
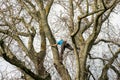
(64, 39)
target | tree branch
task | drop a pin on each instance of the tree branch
(30, 41)
(18, 40)
(71, 15)
(59, 66)
(107, 66)
(103, 3)
(33, 13)
(7, 32)
(48, 6)
(9, 57)
(107, 41)
(91, 13)
(77, 30)
(115, 70)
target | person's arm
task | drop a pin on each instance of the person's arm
(54, 45)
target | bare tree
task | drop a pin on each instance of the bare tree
(22, 22)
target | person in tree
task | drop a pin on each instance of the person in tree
(64, 45)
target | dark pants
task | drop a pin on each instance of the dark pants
(63, 46)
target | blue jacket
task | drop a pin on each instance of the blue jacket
(60, 42)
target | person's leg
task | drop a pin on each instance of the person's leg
(68, 46)
(62, 50)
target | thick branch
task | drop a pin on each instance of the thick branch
(59, 66)
(71, 15)
(9, 57)
(77, 58)
(103, 3)
(18, 40)
(77, 30)
(115, 70)
(87, 3)
(48, 6)
(41, 55)
(96, 29)
(18, 63)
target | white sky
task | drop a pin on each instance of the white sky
(115, 19)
